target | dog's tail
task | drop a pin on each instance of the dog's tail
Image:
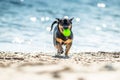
(53, 24)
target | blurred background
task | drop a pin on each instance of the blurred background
(25, 24)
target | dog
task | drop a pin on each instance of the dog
(59, 39)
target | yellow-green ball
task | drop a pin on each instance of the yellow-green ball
(66, 32)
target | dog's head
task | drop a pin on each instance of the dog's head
(63, 24)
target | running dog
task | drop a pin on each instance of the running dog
(58, 37)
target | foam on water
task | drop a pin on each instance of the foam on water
(25, 24)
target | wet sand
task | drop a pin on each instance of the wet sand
(41, 66)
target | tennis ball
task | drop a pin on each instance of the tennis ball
(66, 32)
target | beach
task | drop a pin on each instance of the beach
(26, 42)
(42, 66)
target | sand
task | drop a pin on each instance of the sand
(41, 66)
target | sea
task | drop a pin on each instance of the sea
(25, 24)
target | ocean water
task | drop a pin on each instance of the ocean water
(25, 24)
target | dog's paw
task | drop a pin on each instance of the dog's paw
(60, 52)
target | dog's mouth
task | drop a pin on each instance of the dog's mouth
(64, 29)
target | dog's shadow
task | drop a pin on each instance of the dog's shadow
(60, 57)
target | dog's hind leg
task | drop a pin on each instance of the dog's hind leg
(68, 46)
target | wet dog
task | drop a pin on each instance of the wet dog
(59, 38)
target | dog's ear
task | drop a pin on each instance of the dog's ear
(71, 19)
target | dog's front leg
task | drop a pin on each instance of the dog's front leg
(59, 40)
(68, 46)
(59, 49)
(59, 46)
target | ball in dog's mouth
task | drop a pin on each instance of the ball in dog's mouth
(66, 32)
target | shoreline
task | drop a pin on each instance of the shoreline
(42, 66)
